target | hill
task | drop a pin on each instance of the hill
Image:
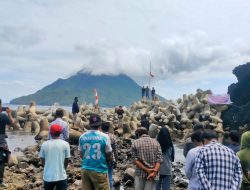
(112, 91)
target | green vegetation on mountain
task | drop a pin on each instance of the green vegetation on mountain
(112, 91)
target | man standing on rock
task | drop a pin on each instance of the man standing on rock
(55, 154)
(153, 94)
(4, 151)
(147, 156)
(120, 113)
(147, 92)
(96, 154)
(65, 127)
(217, 166)
(75, 109)
(143, 92)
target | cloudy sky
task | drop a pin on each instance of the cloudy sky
(191, 43)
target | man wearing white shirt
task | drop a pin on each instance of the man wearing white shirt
(65, 127)
(55, 154)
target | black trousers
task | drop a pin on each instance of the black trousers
(60, 185)
(2, 165)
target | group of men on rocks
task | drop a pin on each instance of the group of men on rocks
(145, 92)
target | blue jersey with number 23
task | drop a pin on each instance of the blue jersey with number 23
(94, 145)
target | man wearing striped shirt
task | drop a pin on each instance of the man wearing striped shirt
(217, 166)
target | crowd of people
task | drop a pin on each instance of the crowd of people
(210, 164)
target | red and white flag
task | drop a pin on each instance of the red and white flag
(96, 98)
(150, 74)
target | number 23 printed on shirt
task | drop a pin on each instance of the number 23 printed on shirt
(88, 149)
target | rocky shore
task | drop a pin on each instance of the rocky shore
(24, 170)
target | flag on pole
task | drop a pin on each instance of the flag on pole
(96, 98)
(220, 99)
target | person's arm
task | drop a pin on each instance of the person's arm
(43, 161)
(108, 151)
(80, 148)
(200, 169)
(67, 156)
(66, 162)
(109, 158)
(12, 121)
(159, 159)
(172, 153)
(189, 164)
(140, 165)
(66, 132)
(153, 172)
(237, 178)
(42, 155)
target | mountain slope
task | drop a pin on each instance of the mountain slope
(112, 91)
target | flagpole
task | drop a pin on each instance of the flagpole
(149, 74)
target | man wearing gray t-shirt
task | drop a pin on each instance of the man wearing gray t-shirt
(65, 127)
(55, 154)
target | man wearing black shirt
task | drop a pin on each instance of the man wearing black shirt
(4, 152)
(120, 113)
(75, 109)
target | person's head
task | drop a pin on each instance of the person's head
(105, 126)
(198, 127)
(233, 137)
(59, 113)
(196, 138)
(209, 135)
(245, 140)
(76, 99)
(32, 103)
(120, 107)
(55, 131)
(95, 122)
(164, 139)
(141, 131)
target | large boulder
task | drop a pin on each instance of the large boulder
(238, 113)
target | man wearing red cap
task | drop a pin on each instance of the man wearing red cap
(55, 154)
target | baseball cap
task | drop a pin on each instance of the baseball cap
(95, 120)
(55, 129)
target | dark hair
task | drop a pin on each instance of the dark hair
(76, 98)
(141, 131)
(0, 101)
(209, 135)
(164, 139)
(59, 112)
(105, 126)
(56, 134)
(198, 126)
(95, 121)
(196, 136)
(234, 136)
